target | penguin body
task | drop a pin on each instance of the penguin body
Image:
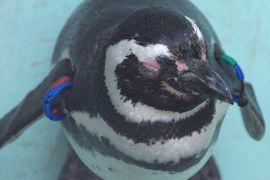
(119, 140)
(148, 94)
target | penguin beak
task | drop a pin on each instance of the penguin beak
(217, 87)
(199, 79)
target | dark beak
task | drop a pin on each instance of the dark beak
(199, 79)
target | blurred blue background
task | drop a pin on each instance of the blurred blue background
(28, 32)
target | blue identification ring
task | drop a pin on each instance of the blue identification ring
(53, 92)
(240, 75)
(239, 72)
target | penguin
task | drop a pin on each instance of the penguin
(149, 90)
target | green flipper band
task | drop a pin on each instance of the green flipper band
(229, 59)
(240, 75)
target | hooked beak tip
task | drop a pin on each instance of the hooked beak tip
(222, 91)
(228, 97)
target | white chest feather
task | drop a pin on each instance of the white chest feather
(109, 168)
(170, 151)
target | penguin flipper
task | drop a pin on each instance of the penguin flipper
(252, 115)
(30, 109)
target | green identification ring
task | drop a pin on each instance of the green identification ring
(239, 99)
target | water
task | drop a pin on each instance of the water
(28, 32)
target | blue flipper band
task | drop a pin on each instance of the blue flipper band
(239, 72)
(236, 99)
(50, 96)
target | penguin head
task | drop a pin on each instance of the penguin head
(159, 58)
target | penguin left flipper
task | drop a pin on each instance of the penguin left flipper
(251, 114)
(30, 109)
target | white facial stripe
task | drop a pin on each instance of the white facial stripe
(118, 52)
(170, 150)
(195, 27)
(140, 112)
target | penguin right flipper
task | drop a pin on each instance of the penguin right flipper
(252, 115)
(30, 109)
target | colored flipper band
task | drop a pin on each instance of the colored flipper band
(239, 72)
(229, 59)
(55, 89)
(240, 75)
(237, 68)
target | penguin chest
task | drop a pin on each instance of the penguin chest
(112, 155)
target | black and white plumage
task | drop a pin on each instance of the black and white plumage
(148, 94)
